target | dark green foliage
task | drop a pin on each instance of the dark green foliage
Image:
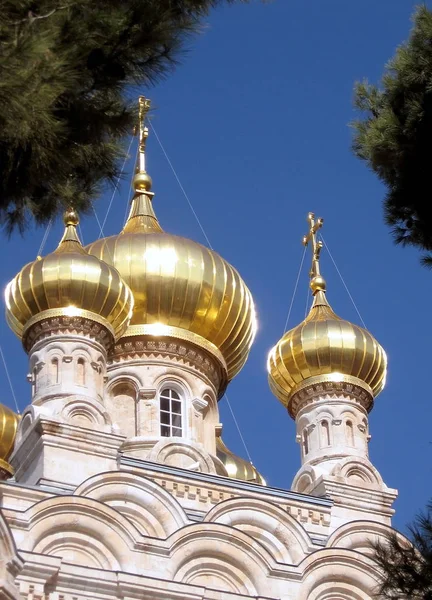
(65, 66)
(395, 136)
(407, 569)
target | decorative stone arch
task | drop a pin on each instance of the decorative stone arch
(358, 470)
(10, 562)
(358, 535)
(284, 537)
(221, 557)
(125, 378)
(305, 478)
(338, 574)
(28, 417)
(185, 455)
(80, 350)
(172, 380)
(152, 510)
(81, 531)
(88, 413)
(121, 403)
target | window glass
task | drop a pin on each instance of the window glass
(170, 413)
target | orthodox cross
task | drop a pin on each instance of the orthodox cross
(314, 226)
(142, 130)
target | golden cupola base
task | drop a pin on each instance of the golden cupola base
(8, 428)
(235, 466)
(325, 349)
(182, 290)
(67, 284)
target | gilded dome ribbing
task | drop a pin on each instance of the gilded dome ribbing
(326, 348)
(236, 467)
(181, 288)
(68, 282)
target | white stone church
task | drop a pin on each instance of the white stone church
(115, 481)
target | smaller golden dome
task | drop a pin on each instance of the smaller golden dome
(8, 429)
(68, 282)
(236, 467)
(324, 347)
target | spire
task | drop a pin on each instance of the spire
(141, 216)
(70, 241)
(317, 282)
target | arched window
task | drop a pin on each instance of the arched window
(305, 442)
(170, 413)
(54, 371)
(325, 433)
(80, 371)
(350, 433)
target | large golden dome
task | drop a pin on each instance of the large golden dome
(8, 429)
(325, 347)
(181, 289)
(68, 282)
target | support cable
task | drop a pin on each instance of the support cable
(45, 237)
(115, 189)
(211, 247)
(180, 185)
(295, 290)
(238, 429)
(343, 281)
(9, 380)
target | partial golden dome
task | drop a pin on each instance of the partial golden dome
(8, 429)
(68, 282)
(236, 467)
(325, 347)
(181, 288)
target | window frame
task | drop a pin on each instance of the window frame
(171, 394)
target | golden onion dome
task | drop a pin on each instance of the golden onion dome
(236, 467)
(325, 347)
(68, 282)
(181, 289)
(8, 429)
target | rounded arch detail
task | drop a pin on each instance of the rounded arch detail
(151, 509)
(72, 525)
(198, 549)
(285, 538)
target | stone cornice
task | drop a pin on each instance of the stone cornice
(180, 351)
(63, 325)
(317, 390)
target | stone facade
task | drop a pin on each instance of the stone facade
(104, 506)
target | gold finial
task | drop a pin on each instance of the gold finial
(317, 282)
(142, 181)
(70, 217)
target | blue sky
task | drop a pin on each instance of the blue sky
(255, 122)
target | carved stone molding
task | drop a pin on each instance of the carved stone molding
(330, 390)
(144, 394)
(199, 404)
(63, 325)
(181, 351)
